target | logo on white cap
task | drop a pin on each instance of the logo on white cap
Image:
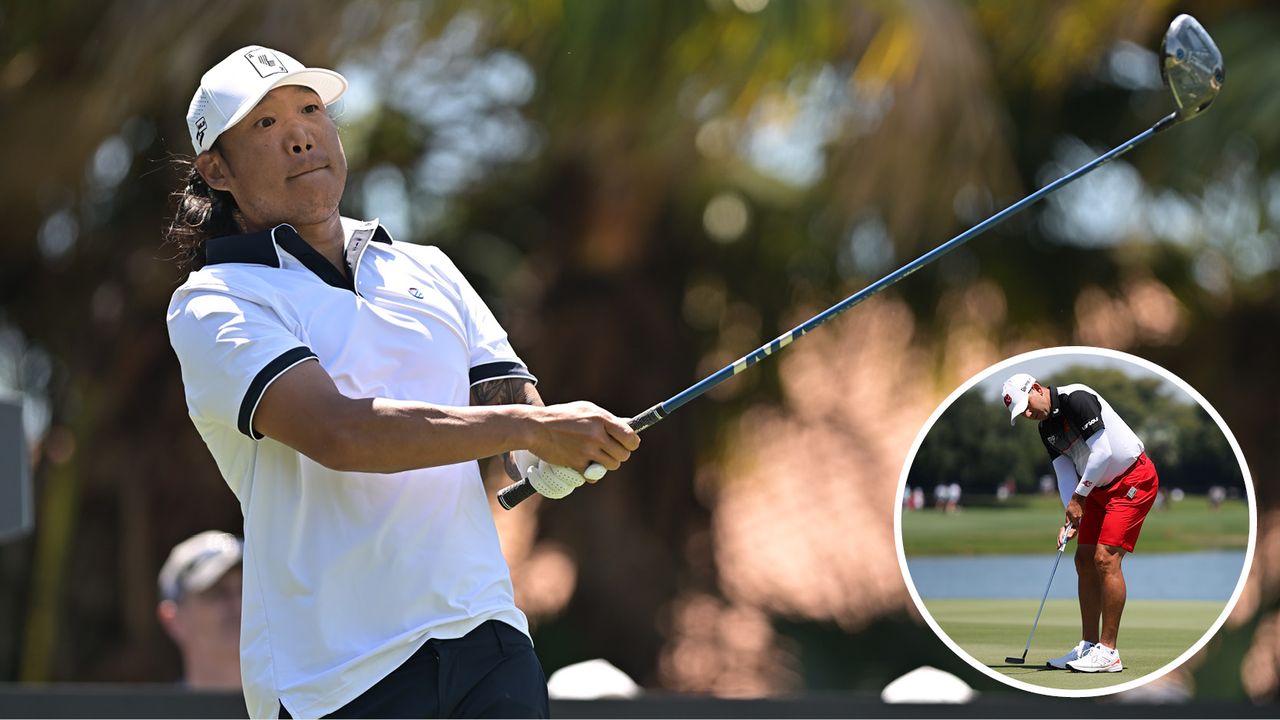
(265, 62)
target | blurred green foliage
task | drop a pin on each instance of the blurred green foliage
(972, 444)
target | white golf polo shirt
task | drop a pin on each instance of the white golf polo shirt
(346, 574)
(1080, 426)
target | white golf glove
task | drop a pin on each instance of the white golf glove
(551, 481)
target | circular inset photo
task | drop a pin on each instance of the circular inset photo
(1075, 521)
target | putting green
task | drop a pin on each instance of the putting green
(1152, 633)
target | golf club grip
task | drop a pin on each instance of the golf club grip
(516, 493)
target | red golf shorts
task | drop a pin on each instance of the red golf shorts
(1113, 514)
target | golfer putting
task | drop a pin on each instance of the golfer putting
(1108, 485)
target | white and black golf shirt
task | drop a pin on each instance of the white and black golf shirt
(1086, 438)
(346, 574)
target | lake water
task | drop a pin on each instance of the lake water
(1210, 575)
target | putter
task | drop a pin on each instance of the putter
(1190, 66)
(1054, 571)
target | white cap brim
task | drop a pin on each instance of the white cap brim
(1017, 408)
(328, 84)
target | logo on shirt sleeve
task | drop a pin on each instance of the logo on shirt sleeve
(416, 293)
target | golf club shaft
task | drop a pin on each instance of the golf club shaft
(1036, 622)
(514, 494)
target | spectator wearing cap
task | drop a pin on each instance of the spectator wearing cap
(1108, 485)
(200, 608)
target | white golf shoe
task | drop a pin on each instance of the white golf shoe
(1076, 653)
(1100, 658)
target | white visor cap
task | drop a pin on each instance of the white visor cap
(198, 562)
(1017, 389)
(234, 86)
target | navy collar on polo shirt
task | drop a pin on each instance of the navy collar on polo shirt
(259, 248)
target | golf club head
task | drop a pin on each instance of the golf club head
(1015, 661)
(1190, 66)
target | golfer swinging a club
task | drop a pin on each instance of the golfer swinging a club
(1108, 485)
(346, 384)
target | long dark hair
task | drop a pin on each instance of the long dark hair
(201, 213)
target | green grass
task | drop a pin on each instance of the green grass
(1152, 633)
(1029, 526)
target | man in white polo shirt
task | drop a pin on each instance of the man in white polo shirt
(346, 384)
(1108, 486)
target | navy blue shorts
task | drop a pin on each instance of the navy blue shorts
(491, 672)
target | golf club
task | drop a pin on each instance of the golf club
(1191, 67)
(1054, 571)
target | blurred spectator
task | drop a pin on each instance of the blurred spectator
(1217, 494)
(1006, 490)
(917, 498)
(1047, 485)
(200, 608)
(953, 497)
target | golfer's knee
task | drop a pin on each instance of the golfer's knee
(1107, 558)
(1085, 559)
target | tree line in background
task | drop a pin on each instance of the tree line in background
(973, 445)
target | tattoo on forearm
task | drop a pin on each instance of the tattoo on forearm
(494, 392)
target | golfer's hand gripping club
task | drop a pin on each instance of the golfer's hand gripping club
(550, 481)
(1065, 533)
(518, 492)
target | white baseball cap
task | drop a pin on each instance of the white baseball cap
(234, 86)
(1016, 391)
(198, 562)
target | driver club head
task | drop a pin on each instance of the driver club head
(1190, 66)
